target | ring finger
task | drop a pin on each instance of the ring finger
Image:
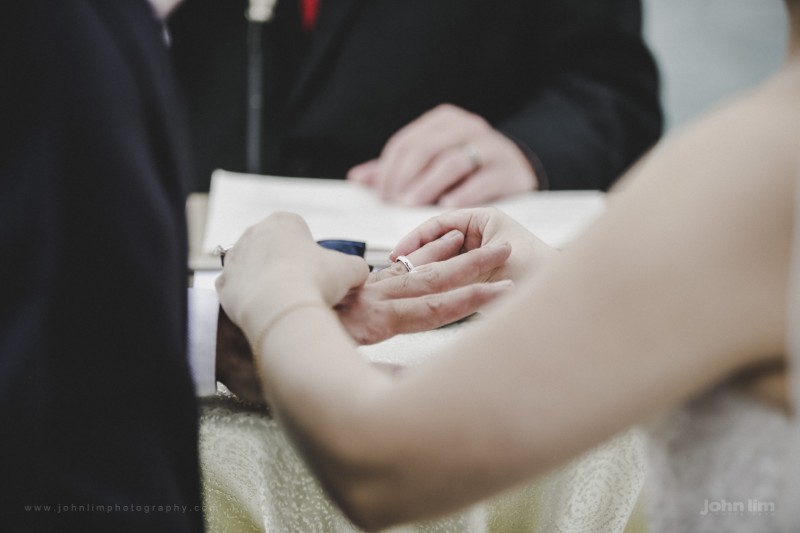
(477, 265)
(442, 248)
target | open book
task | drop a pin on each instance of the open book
(336, 209)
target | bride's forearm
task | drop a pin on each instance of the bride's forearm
(680, 284)
(327, 399)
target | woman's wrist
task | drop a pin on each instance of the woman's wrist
(264, 307)
(257, 342)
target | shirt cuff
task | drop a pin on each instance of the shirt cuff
(203, 313)
(542, 181)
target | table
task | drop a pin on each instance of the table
(252, 479)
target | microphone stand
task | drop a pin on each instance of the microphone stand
(258, 13)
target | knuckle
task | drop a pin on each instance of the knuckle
(283, 216)
(472, 119)
(431, 278)
(435, 306)
(367, 328)
(456, 165)
(482, 292)
(406, 283)
(481, 129)
(362, 336)
(400, 143)
(395, 320)
(397, 269)
(390, 146)
(444, 108)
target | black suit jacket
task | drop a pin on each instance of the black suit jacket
(570, 80)
(96, 403)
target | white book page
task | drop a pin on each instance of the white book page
(337, 209)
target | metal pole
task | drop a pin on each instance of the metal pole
(258, 12)
(255, 96)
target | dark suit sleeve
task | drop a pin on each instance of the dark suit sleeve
(96, 401)
(596, 94)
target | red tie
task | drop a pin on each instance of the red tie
(308, 13)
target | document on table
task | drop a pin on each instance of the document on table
(336, 209)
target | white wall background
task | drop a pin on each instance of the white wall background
(708, 50)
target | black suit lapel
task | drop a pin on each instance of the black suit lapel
(334, 19)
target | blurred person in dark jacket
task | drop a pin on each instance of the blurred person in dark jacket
(455, 102)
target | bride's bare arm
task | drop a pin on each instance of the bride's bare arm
(679, 285)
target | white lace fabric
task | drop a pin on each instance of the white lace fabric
(727, 462)
(254, 481)
(717, 465)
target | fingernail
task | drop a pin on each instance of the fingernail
(452, 234)
(505, 284)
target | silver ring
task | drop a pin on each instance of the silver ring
(403, 260)
(473, 155)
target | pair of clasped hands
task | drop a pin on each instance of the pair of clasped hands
(462, 260)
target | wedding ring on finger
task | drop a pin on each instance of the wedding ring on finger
(403, 260)
(473, 155)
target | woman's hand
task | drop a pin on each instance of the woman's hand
(484, 227)
(276, 263)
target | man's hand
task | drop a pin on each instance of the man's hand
(447, 156)
(234, 366)
(445, 286)
(432, 295)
